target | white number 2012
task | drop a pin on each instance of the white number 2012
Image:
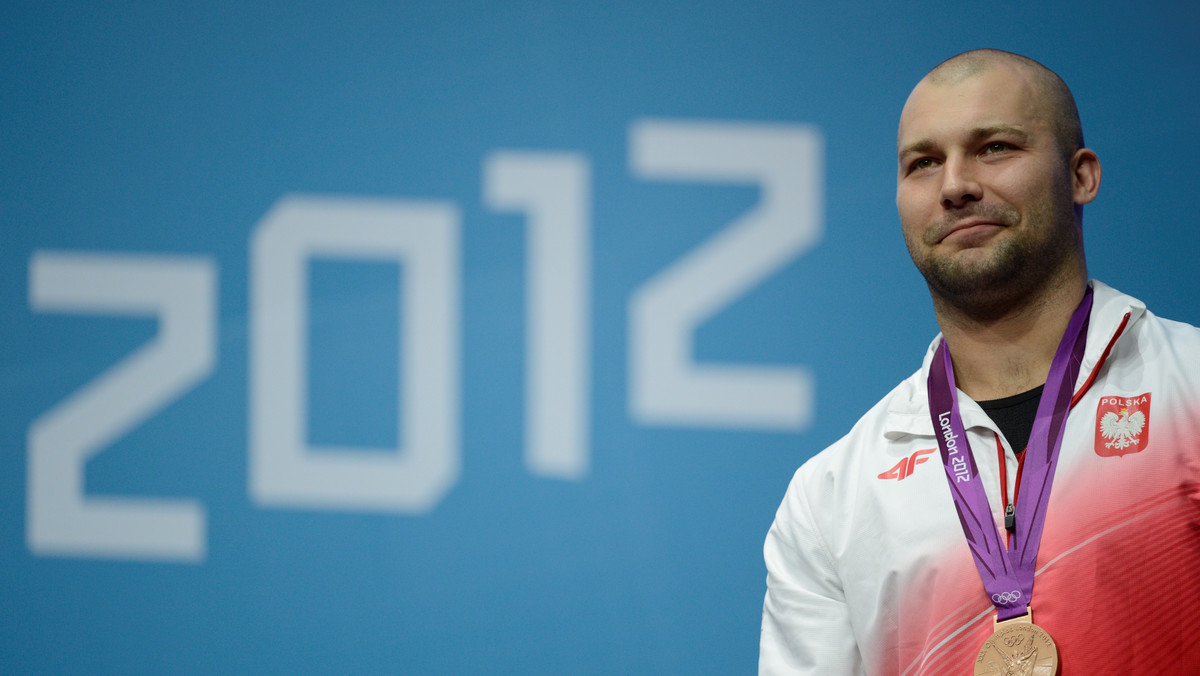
(553, 191)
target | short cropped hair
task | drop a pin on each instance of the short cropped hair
(1067, 129)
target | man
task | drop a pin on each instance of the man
(898, 549)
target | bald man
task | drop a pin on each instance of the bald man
(1029, 500)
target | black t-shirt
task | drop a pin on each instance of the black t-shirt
(1014, 416)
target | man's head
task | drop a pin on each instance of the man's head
(992, 178)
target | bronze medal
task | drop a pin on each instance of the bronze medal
(1018, 648)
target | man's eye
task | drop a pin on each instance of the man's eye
(923, 163)
(996, 147)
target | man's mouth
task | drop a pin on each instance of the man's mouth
(969, 227)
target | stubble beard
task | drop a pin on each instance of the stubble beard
(1030, 257)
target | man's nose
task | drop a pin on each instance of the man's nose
(959, 184)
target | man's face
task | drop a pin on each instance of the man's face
(983, 191)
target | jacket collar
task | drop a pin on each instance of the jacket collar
(908, 406)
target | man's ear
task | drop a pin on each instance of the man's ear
(1085, 176)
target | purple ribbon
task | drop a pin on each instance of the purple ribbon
(1007, 574)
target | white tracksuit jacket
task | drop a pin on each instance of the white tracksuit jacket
(868, 571)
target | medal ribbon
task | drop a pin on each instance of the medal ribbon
(1007, 574)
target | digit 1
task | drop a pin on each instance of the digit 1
(553, 190)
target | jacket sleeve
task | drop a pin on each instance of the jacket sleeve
(806, 625)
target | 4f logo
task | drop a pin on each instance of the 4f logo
(905, 467)
(1122, 425)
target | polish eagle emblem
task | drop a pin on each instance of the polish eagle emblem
(1122, 431)
(1122, 425)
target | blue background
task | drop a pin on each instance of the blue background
(172, 128)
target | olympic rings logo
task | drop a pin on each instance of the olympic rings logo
(1007, 598)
